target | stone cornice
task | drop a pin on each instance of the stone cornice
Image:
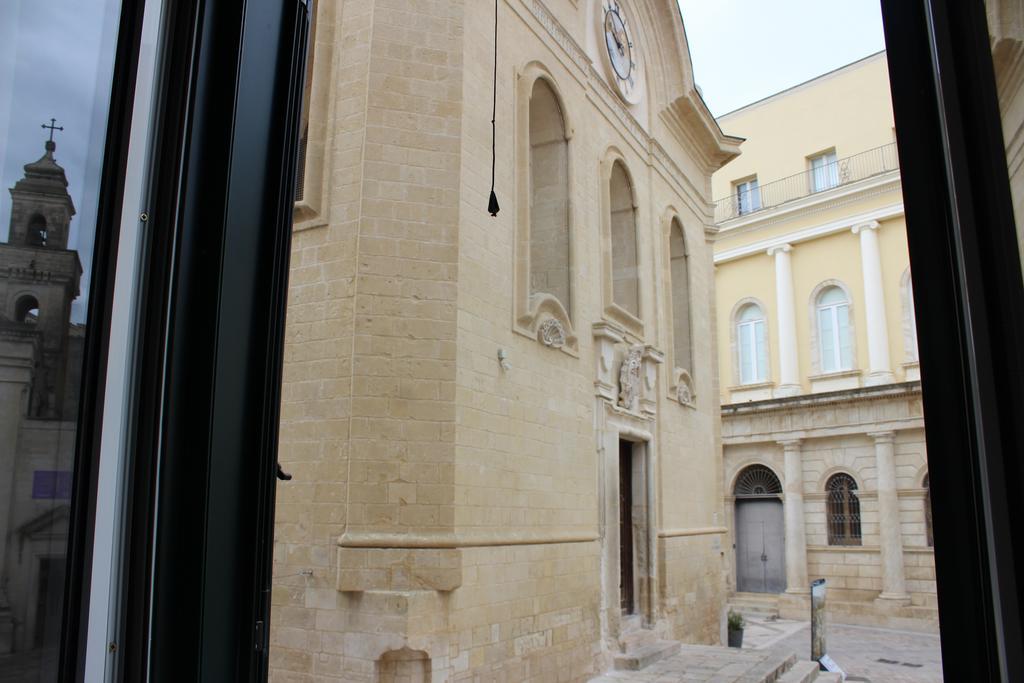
(807, 234)
(830, 398)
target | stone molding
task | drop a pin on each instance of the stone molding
(697, 531)
(462, 539)
(804, 234)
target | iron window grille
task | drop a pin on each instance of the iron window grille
(843, 510)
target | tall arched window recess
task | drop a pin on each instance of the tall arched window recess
(843, 510)
(929, 537)
(835, 335)
(752, 344)
(625, 261)
(680, 279)
(757, 481)
(549, 196)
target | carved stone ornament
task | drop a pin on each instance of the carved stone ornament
(551, 333)
(629, 377)
(683, 393)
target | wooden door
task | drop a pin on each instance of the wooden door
(626, 593)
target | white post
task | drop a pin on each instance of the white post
(789, 364)
(880, 369)
(894, 585)
(793, 508)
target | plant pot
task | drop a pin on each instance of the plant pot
(736, 638)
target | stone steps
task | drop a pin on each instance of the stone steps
(761, 605)
(643, 655)
(802, 672)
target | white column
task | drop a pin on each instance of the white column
(793, 509)
(890, 532)
(880, 368)
(789, 364)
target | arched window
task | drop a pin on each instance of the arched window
(26, 310)
(37, 230)
(625, 277)
(680, 296)
(835, 337)
(755, 481)
(926, 484)
(752, 344)
(843, 510)
(549, 196)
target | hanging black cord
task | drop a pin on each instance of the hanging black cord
(492, 203)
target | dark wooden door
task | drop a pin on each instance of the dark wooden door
(626, 527)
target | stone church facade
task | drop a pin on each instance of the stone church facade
(40, 353)
(502, 431)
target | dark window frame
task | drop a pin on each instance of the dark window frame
(963, 244)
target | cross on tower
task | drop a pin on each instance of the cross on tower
(52, 127)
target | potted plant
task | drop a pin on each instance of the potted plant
(736, 625)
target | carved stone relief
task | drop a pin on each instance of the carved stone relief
(629, 377)
(551, 333)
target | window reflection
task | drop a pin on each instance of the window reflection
(55, 79)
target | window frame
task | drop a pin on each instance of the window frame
(841, 488)
(832, 310)
(829, 168)
(962, 241)
(747, 186)
(738, 325)
(531, 313)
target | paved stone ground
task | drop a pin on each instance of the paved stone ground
(877, 655)
(705, 664)
(867, 655)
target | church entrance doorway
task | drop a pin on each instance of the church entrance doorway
(627, 594)
(760, 532)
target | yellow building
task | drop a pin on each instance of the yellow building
(825, 472)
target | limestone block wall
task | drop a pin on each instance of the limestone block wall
(837, 436)
(450, 517)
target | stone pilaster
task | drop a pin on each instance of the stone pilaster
(789, 362)
(889, 529)
(793, 507)
(879, 365)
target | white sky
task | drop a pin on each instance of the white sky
(744, 50)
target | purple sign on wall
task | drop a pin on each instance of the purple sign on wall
(51, 484)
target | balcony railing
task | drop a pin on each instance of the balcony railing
(840, 172)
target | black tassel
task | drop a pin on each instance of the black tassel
(492, 203)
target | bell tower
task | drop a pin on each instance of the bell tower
(39, 275)
(41, 208)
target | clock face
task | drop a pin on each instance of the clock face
(623, 57)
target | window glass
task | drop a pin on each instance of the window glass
(835, 338)
(748, 196)
(753, 345)
(824, 172)
(56, 64)
(1006, 29)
